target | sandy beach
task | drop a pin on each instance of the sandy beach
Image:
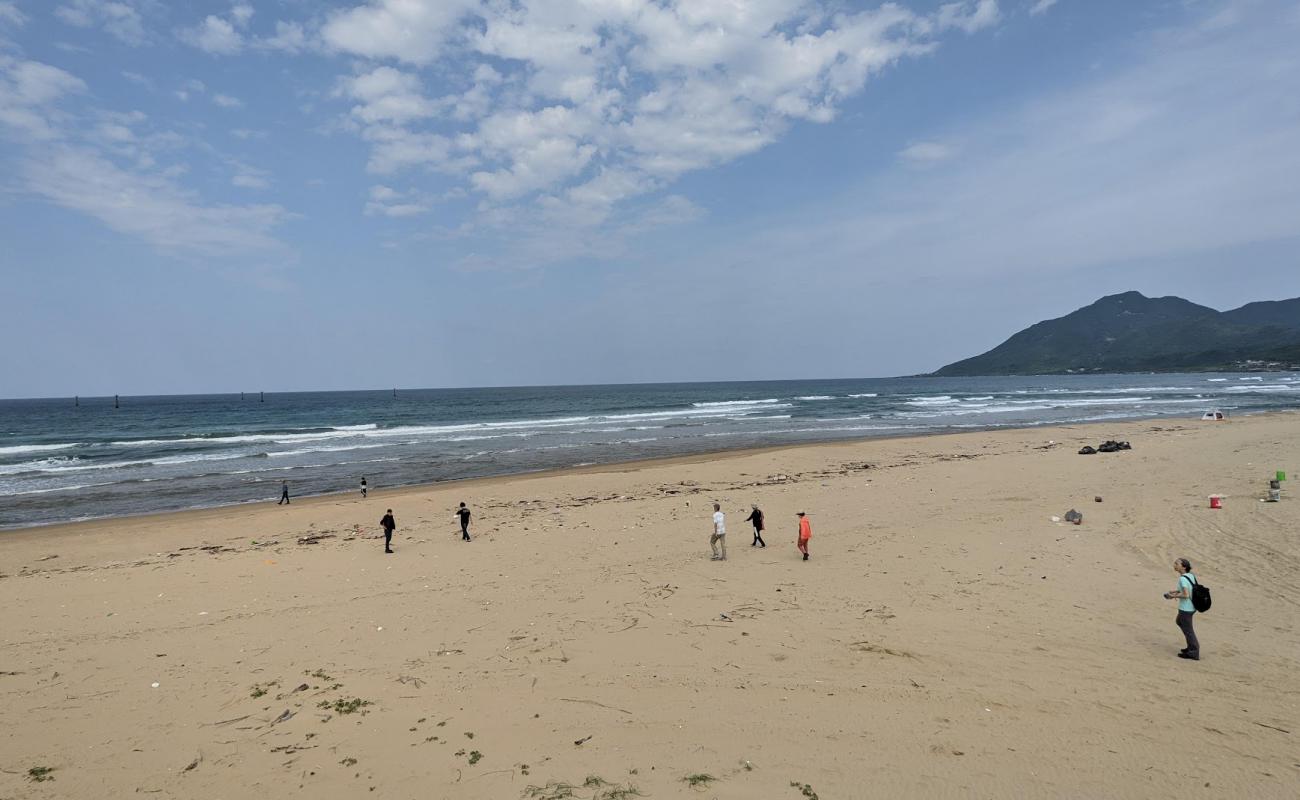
(946, 639)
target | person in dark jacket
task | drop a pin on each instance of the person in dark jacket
(284, 493)
(389, 524)
(756, 517)
(463, 514)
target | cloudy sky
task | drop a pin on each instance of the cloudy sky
(330, 194)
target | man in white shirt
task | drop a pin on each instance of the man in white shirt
(719, 533)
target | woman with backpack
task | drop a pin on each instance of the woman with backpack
(1183, 594)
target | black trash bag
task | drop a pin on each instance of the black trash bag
(1086, 451)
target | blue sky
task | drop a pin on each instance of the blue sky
(300, 194)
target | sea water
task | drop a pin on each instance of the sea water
(60, 461)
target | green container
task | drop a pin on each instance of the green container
(1281, 475)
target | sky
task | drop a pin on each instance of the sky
(288, 195)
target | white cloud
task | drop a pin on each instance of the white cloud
(29, 94)
(1041, 7)
(387, 95)
(119, 18)
(579, 108)
(389, 202)
(226, 101)
(247, 177)
(968, 15)
(10, 15)
(241, 13)
(150, 207)
(290, 37)
(927, 152)
(409, 30)
(96, 162)
(214, 35)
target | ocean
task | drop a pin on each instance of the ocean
(60, 461)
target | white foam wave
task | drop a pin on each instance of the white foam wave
(306, 450)
(188, 459)
(729, 403)
(39, 465)
(1264, 388)
(18, 449)
(867, 394)
(73, 487)
(815, 397)
(941, 400)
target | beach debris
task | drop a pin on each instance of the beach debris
(40, 774)
(155, 684)
(1074, 517)
(1216, 501)
(313, 538)
(1097, 499)
(285, 716)
(698, 779)
(1055, 518)
(1087, 450)
(46, 558)
(583, 740)
(194, 764)
(1274, 490)
(804, 789)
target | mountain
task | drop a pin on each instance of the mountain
(1130, 332)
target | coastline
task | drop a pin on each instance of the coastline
(198, 513)
(946, 638)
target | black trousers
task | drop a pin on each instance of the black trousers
(464, 531)
(758, 538)
(1185, 624)
(388, 538)
(284, 498)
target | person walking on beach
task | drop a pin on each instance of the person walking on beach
(389, 524)
(756, 517)
(463, 513)
(805, 533)
(363, 487)
(284, 493)
(719, 533)
(1183, 594)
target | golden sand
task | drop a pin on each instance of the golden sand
(947, 639)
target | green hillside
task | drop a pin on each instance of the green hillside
(1130, 332)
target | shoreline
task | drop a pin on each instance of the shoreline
(631, 465)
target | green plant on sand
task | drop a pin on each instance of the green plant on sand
(698, 779)
(341, 706)
(40, 774)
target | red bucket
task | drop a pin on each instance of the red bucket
(1216, 501)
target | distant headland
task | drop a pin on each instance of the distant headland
(1130, 332)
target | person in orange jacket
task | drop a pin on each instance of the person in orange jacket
(805, 533)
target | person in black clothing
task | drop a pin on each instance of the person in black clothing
(756, 517)
(284, 493)
(463, 513)
(364, 487)
(390, 525)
